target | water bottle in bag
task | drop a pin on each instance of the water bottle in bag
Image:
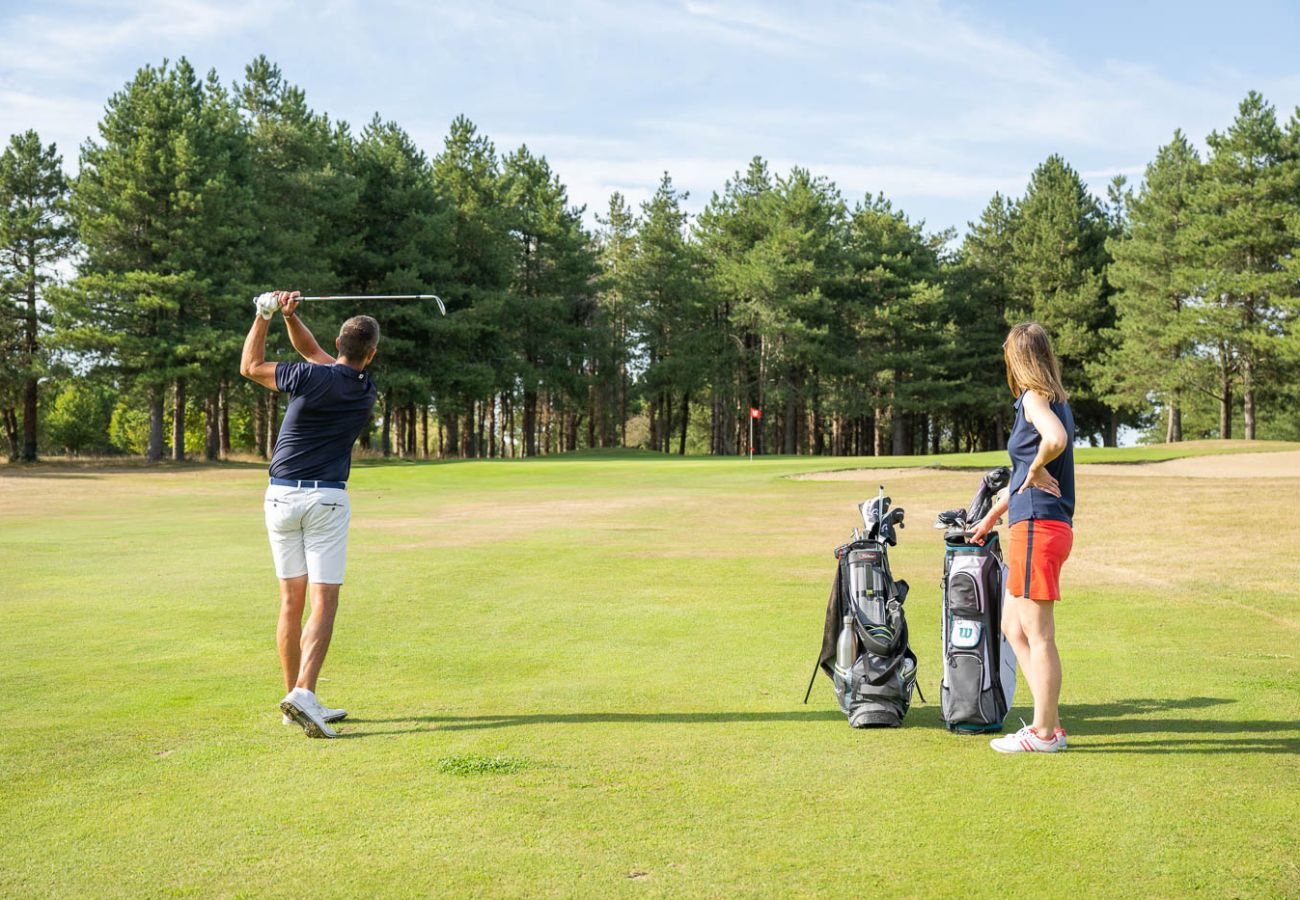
(846, 649)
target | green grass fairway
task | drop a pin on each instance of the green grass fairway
(582, 676)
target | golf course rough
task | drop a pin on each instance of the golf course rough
(581, 677)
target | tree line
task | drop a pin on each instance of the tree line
(850, 326)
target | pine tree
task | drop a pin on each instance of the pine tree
(738, 297)
(899, 308)
(474, 366)
(1244, 209)
(616, 246)
(401, 225)
(980, 291)
(804, 254)
(662, 287)
(1058, 281)
(35, 237)
(162, 210)
(1155, 321)
(554, 267)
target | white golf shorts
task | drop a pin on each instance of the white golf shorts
(308, 528)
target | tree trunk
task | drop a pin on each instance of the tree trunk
(386, 438)
(154, 449)
(546, 424)
(1225, 404)
(211, 429)
(30, 323)
(1112, 430)
(1248, 397)
(451, 446)
(480, 449)
(530, 422)
(509, 447)
(29, 419)
(259, 425)
(424, 431)
(178, 421)
(223, 419)
(1174, 433)
(622, 404)
(686, 421)
(790, 429)
(11, 432)
(666, 428)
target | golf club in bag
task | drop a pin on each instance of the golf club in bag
(864, 650)
(979, 666)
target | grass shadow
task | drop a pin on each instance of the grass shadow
(475, 723)
(1091, 725)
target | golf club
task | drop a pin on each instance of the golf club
(434, 297)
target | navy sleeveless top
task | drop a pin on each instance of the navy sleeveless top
(1022, 444)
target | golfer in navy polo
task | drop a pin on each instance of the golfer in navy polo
(307, 508)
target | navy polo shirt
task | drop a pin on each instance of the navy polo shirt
(329, 405)
(1022, 445)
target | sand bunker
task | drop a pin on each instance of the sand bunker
(1285, 464)
(877, 475)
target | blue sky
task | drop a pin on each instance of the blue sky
(936, 104)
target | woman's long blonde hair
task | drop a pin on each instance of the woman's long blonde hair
(1031, 364)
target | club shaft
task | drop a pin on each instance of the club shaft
(374, 297)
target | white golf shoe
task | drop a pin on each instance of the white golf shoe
(301, 705)
(1026, 740)
(329, 714)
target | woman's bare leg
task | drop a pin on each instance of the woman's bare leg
(1038, 622)
(1015, 634)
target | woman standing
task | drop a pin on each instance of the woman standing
(1041, 503)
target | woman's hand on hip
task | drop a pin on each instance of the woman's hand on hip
(1043, 480)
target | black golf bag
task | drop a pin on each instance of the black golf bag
(865, 649)
(979, 666)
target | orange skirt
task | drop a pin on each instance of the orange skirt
(1035, 554)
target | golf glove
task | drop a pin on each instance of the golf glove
(266, 304)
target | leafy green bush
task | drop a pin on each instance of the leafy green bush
(78, 419)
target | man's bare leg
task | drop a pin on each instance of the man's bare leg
(316, 635)
(288, 631)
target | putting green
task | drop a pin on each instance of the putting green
(582, 677)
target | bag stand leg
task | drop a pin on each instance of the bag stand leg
(816, 666)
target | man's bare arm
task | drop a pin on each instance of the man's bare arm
(299, 334)
(253, 364)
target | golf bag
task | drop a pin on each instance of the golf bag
(979, 666)
(865, 650)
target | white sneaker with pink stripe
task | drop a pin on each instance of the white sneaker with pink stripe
(1026, 740)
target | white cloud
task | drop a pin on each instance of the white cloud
(936, 104)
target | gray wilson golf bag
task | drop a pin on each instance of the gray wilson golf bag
(979, 666)
(864, 643)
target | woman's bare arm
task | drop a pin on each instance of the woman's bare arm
(1052, 443)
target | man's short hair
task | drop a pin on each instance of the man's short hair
(358, 336)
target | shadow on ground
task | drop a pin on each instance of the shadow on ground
(1146, 721)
